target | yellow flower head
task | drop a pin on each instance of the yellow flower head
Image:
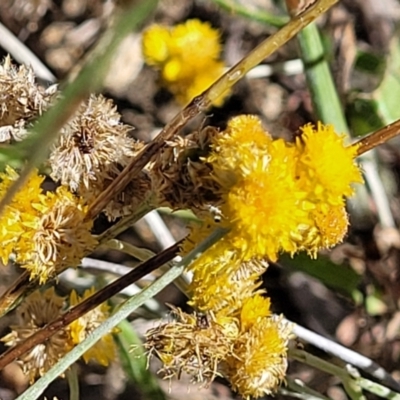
(37, 310)
(329, 228)
(243, 147)
(259, 363)
(104, 350)
(62, 236)
(155, 44)
(20, 218)
(188, 38)
(188, 56)
(254, 309)
(221, 279)
(326, 166)
(278, 196)
(44, 233)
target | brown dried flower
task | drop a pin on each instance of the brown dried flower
(36, 311)
(91, 148)
(21, 100)
(193, 343)
(179, 176)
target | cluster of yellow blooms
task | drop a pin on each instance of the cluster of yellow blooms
(272, 196)
(276, 197)
(188, 56)
(41, 308)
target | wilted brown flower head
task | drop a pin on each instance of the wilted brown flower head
(36, 311)
(129, 200)
(192, 343)
(179, 176)
(21, 100)
(92, 148)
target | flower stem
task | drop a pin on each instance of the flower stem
(73, 382)
(377, 138)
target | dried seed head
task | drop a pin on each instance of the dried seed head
(21, 100)
(34, 313)
(92, 147)
(179, 175)
(137, 192)
(189, 345)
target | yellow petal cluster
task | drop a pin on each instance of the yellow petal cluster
(43, 232)
(188, 56)
(279, 196)
(274, 197)
(249, 347)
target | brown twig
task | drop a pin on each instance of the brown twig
(88, 304)
(377, 138)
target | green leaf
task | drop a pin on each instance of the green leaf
(134, 362)
(371, 111)
(335, 276)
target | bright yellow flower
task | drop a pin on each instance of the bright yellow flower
(104, 350)
(155, 44)
(187, 55)
(196, 44)
(278, 196)
(329, 228)
(254, 309)
(327, 166)
(21, 216)
(45, 233)
(243, 147)
(265, 207)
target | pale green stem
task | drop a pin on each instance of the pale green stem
(376, 388)
(258, 15)
(123, 312)
(326, 102)
(125, 222)
(182, 282)
(352, 384)
(73, 382)
(299, 390)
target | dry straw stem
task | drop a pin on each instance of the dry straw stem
(377, 138)
(89, 304)
(203, 101)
